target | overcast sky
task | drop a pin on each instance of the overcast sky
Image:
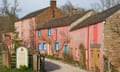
(28, 6)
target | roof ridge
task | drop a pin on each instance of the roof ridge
(62, 21)
(98, 17)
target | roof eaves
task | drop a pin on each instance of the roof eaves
(33, 14)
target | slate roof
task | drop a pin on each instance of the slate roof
(32, 14)
(97, 17)
(62, 21)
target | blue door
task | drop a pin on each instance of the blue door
(66, 49)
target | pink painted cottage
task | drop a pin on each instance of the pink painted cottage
(76, 36)
(27, 25)
(53, 37)
(90, 32)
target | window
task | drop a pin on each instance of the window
(38, 33)
(44, 46)
(49, 32)
(39, 46)
(56, 46)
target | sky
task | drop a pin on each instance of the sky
(28, 6)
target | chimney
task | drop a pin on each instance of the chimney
(52, 3)
(73, 11)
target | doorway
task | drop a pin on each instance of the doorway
(66, 49)
(95, 56)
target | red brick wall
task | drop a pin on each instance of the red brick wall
(48, 15)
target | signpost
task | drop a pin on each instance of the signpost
(21, 57)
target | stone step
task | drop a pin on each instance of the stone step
(13, 66)
(13, 57)
(13, 61)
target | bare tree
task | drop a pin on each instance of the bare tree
(8, 15)
(9, 9)
(69, 6)
(64, 40)
(48, 40)
(104, 4)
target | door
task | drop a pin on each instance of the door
(95, 52)
(66, 49)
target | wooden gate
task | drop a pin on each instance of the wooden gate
(95, 57)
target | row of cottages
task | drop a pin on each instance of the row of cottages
(75, 36)
(26, 26)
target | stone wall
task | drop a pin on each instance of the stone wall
(112, 39)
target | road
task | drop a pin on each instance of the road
(59, 66)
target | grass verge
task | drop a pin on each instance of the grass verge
(22, 69)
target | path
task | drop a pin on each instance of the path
(58, 66)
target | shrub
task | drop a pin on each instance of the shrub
(82, 56)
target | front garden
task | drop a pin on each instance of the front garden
(22, 69)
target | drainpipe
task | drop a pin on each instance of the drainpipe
(88, 45)
(35, 40)
(56, 35)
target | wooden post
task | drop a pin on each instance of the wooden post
(35, 62)
(6, 59)
(39, 63)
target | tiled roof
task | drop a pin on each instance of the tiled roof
(34, 13)
(97, 17)
(63, 21)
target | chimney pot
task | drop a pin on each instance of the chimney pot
(52, 3)
(73, 11)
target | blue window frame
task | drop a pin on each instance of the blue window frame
(39, 46)
(49, 32)
(56, 46)
(39, 33)
(44, 46)
(66, 49)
